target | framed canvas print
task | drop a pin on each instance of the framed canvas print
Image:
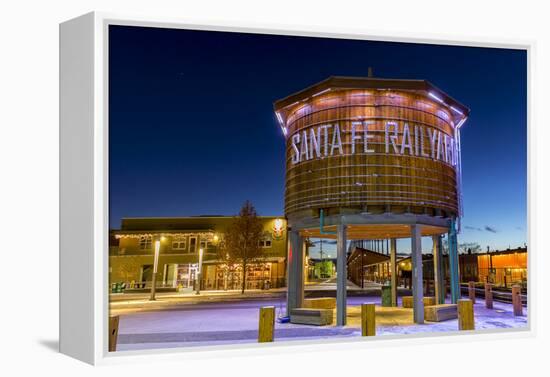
(224, 187)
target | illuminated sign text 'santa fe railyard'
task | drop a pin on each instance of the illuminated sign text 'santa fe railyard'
(399, 138)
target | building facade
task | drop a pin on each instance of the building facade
(319, 269)
(502, 268)
(131, 256)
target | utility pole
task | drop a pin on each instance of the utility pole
(155, 267)
(199, 273)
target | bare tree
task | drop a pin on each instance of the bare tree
(469, 248)
(242, 240)
(228, 262)
(129, 266)
(463, 248)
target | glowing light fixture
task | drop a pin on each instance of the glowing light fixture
(438, 99)
(461, 122)
(278, 224)
(279, 117)
(456, 110)
(281, 123)
(321, 92)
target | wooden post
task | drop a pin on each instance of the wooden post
(368, 320)
(466, 314)
(516, 300)
(488, 295)
(267, 324)
(113, 332)
(472, 291)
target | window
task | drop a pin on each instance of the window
(192, 245)
(265, 243)
(179, 243)
(206, 246)
(145, 242)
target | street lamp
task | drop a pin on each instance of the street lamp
(199, 272)
(155, 266)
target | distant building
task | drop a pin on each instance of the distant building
(321, 268)
(131, 253)
(502, 268)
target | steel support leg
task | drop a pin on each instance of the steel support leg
(439, 282)
(341, 267)
(453, 264)
(295, 290)
(417, 286)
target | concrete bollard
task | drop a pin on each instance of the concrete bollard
(488, 295)
(113, 332)
(472, 291)
(466, 314)
(267, 324)
(516, 300)
(368, 320)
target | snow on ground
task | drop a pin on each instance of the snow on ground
(237, 323)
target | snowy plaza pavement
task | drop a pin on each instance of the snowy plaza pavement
(237, 322)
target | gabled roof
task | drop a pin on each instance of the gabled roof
(368, 256)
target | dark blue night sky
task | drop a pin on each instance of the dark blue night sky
(192, 129)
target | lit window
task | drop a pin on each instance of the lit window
(145, 242)
(179, 243)
(206, 247)
(265, 243)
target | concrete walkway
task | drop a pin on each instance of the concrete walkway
(218, 323)
(121, 303)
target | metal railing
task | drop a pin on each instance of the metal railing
(206, 284)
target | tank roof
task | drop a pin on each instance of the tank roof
(334, 83)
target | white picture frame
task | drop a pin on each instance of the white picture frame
(84, 187)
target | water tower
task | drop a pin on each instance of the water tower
(372, 159)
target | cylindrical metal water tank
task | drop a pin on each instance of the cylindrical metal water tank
(364, 145)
